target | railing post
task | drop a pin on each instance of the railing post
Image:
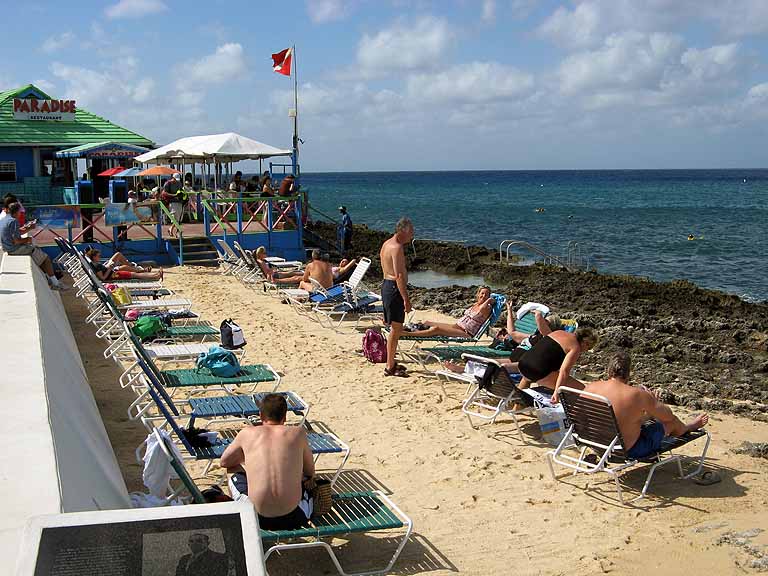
(269, 222)
(206, 220)
(239, 211)
(299, 222)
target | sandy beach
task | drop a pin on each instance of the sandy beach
(482, 501)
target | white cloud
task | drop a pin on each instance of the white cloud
(45, 85)
(226, 63)
(472, 82)
(573, 28)
(134, 9)
(322, 11)
(758, 92)
(488, 12)
(711, 63)
(57, 42)
(90, 86)
(628, 61)
(403, 47)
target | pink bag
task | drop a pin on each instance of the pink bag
(132, 315)
(374, 346)
(110, 287)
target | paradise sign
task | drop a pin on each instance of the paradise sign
(122, 213)
(34, 109)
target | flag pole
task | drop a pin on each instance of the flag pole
(296, 112)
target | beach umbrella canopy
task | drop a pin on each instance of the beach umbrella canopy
(112, 171)
(158, 171)
(128, 173)
(227, 147)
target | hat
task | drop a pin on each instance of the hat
(177, 176)
(342, 208)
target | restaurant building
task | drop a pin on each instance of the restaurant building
(35, 126)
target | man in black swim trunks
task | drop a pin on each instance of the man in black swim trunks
(394, 290)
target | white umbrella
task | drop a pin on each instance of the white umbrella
(228, 147)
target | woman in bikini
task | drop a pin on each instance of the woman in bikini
(468, 325)
(289, 277)
(551, 359)
(119, 268)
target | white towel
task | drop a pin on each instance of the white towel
(157, 468)
(531, 306)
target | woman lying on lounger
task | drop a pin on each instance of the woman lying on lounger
(290, 277)
(468, 325)
(119, 268)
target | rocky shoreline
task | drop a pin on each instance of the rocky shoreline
(705, 349)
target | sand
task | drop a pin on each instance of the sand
(482, 501)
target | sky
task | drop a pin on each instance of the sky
(418, 85)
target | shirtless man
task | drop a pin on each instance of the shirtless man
(634, 405)
(394, 290)
(319, 269)
(268, 463)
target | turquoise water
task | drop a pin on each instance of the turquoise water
(628, 221)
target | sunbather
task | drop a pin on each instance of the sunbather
(551, 359)
(289, 277)
(320, 270)
(468, 325)
(632, 406)
(344, 270)
(268, 463)
(543, 327)
(119, 268)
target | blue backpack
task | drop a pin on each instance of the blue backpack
(219, 362)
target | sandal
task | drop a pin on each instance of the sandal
(707, 478)
(398, 370)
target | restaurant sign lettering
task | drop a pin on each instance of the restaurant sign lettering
(34, 109)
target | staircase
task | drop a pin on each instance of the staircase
(197, 251)
(313, 240)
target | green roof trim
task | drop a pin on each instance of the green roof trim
(87, 128)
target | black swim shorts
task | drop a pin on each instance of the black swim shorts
(394, 307)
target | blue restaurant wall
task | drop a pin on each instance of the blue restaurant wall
(287, 244)
(23, 158)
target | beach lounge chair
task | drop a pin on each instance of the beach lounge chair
(593, 427)
(361, 304)
(230, 261)
(352, 513)
(319, 443)
(191, 380)
(495, 393)
(418, 354)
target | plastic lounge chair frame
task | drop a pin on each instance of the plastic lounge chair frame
(497, 398)
(594, 426)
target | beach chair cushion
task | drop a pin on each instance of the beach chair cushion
(185, 377)
(351, 512)
(318, 443)
(239, 405)
(194, 330)
(455, 352)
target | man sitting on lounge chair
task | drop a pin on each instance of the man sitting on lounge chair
(633, 405)
(320, 270)
(268, 463)
(468, 325)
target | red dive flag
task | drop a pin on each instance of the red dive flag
(282, 61)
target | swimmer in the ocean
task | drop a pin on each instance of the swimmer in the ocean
(691, 237)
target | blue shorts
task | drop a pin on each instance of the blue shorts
(649, 441)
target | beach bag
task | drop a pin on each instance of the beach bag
(231, 335)
(322, 495)
(553, 424)
(121, 296)
(132, 315)
(147, 326)
(219, 362)
(374, 346)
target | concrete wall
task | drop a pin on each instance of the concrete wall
(56, 455)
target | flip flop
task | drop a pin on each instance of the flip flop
(395, 372)
(707, 478)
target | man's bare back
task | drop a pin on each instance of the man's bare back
(392, 259)
(275, 459)
(320, 271)
(635, 405)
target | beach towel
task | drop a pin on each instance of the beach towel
(530, 307)
(157, 467)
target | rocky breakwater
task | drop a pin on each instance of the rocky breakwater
(704, 349)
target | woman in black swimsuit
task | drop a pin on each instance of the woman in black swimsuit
(551, 359)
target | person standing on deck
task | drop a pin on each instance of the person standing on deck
(345, 231)
(394, 290)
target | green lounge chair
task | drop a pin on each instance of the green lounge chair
(352, 513)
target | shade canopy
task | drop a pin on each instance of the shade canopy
(158, 171)
(128, 173)
(112, 171)
(102, 150)
(228, 147)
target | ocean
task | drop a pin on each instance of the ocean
(626, 221)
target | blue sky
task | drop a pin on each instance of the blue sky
(419, 85)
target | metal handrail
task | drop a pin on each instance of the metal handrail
(179, 227)
(548, 258)
(331, 218)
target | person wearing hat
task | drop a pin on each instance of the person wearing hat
(345, 231)
(171, 196)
